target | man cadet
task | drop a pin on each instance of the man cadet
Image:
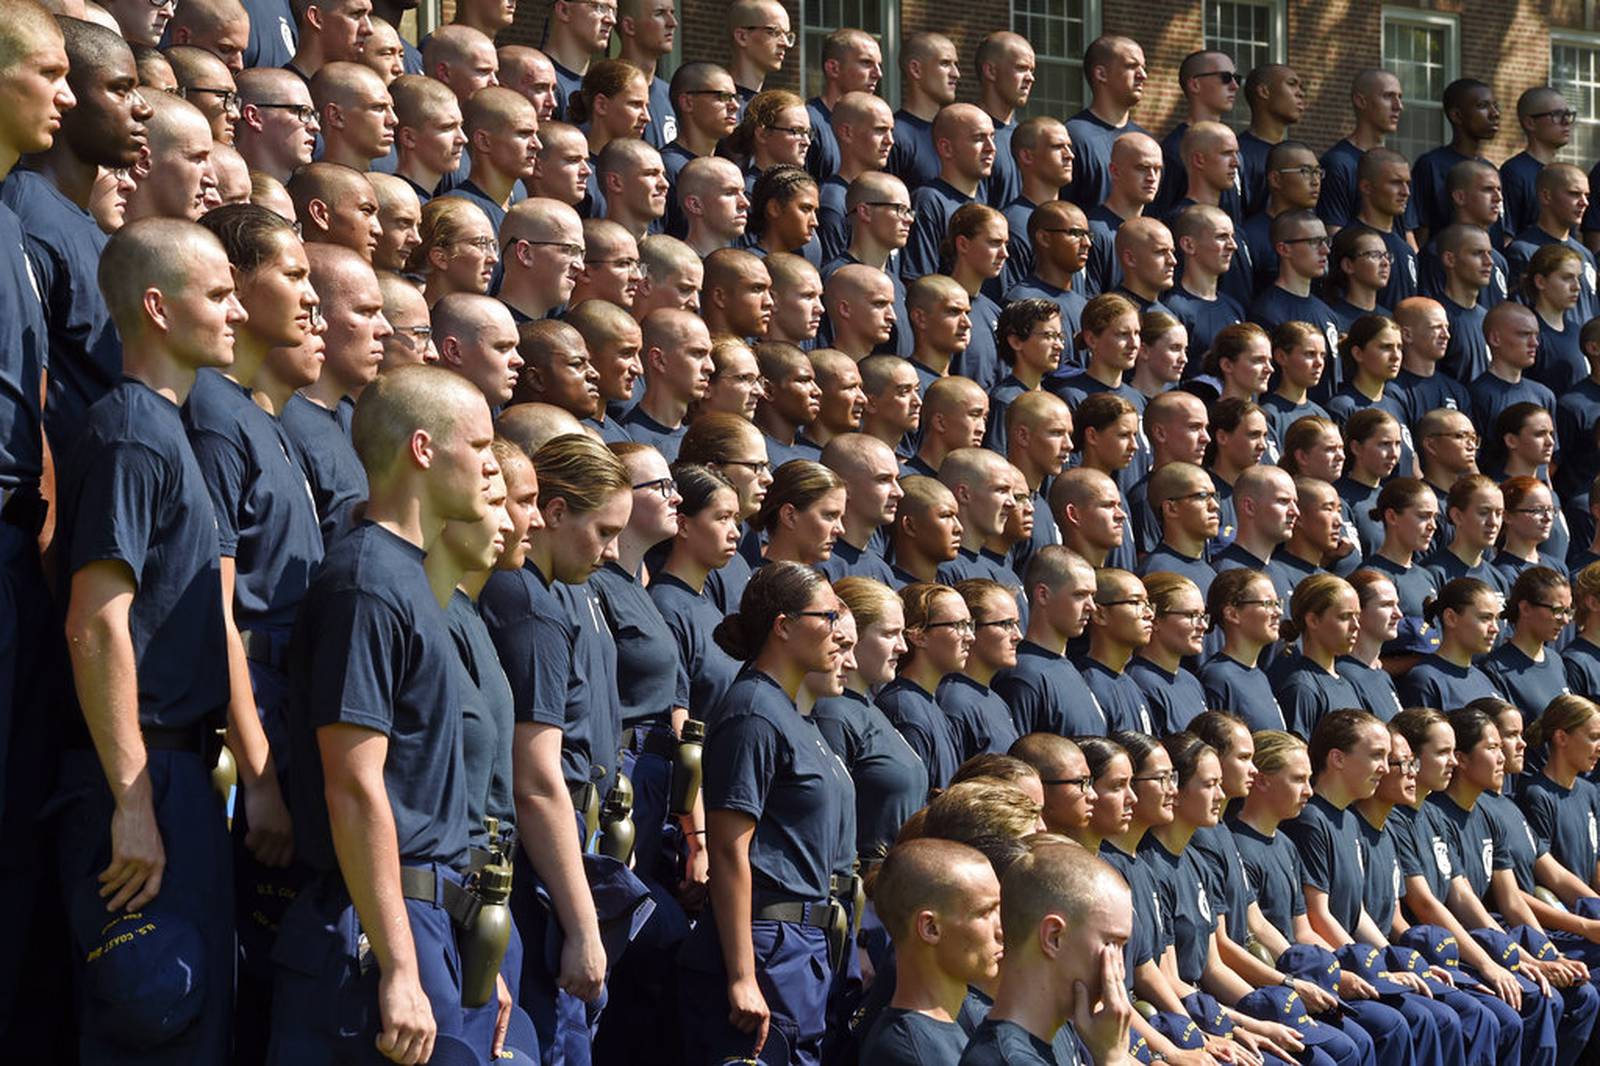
(151, 663)
(381, 802)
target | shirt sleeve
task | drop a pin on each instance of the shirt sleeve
(535, 648)
(1406, 852)
(1025, 700)
(223, 465)
(359, 655)
(1313, 839)
(741, 760)
(116, 502)
(1540, 811)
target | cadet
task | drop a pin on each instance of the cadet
(1376, 99)
(146, 624)
(1114, 68)
(1045, 691)
(930, 72)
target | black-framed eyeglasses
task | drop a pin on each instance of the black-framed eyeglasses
(1460, 436)
(899, 210)
(1557, 611)
(1075, 232)
(1200, 618)
(1204, 496)
(1537, 512)
(756, 466)
(626, 265)
(960, 625)
(776, 33)
(481, 243)
(1010, 625)
(1083, 784)
(1163, 779)
(1406, 766)
(1560, 115)
(230, 97)
(1307, 171)
(666, 486)
(304, 114)
(1320, 242)
(1377, 255)
(1274, 604)
(799, 133)
(1142, 603)
(570, 250)
(1226, 77)
(722, 95)
(831, 617)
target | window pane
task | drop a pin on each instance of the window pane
(1241, 28)
(1057, 30)
(1419, 54)
(818, 18)
(1575, 70)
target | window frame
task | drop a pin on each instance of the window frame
(1450, 24)
(1093, 15)
(889, 44)
(1588, 41)
(1277, 31)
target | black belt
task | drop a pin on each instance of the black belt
(816, 915)
(422, 883)
(651, 739)
(269, 647)
(22, 507)
(200, 739)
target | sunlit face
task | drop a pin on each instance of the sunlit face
(1473, 629)
(1512, 744)
(1324, 459)
(1398, 783)
(812, 530)
(1199, 801)
(1545, 615)
(1179, 627)
(1335, 629)
(1244, 445)
(1484, 765)
(1248, 375)
(1155, 788)
(1286, 790)
(1531, 519)
(1381, 615)
(1370, 264)
(710, 536)
(1114, 798)
(881, 645)
(1367, 761)
(655, 498)
(583, 541)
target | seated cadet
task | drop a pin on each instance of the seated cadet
(1030, 344)
(1475, 508)
(1041, 154)
(108, 554)
(1358, 271)
(556, 369)
(789, 402)
(706, 109)
(1090, 514)
(1134, 179)
(1145, 256)
(953, 415)
(1174, 694)
(477, 338)
(1210, 85)
(1550, 286)
(1376, 100)
(1511, 332)
(1562, 191)
(1383, 189)
(633, 184)
(562, 169)
(1448, 452)
(1409, 511)
(929, 74)
(205, 81)
(940, 902)
(406, 311)
(544, 254)
(354, 113)
(575, 35)
(1302, 245)
(338, 34)
(399, 216)
(797, 300)
(1474, 116)
(1525, 666)
(736, 296)
(1559, 799)
(1547, 126)
(317, 417)
(1119, 626)
(411, 778)
(1324, 616)
(939, 314)
(980, 719)
(1182, 496)
(610, 265)
(862, 127)
(893, 409)
(869, 470)
(980, 481)
(1466, 611)
(461, 57)
(764, 770)
(851, 61)
(336, 204)
(1205, 238)
(673, 276)
(1292, 182)
(178, 142)
(428, 136)
(1038, 442)
(1243, 605)
(963, 137)
(939, 633)
(710, 198)
(926, 532)
(1530, 517)
(1277, 100)
(1576, 411)
(677, 371)
(1474, 190)
(783, 214)
(1371, 350)
(1109, 340)
(842, 402)
(221, 27)
(878, 209)
(502, 130)
(613, 341)
(860, 304)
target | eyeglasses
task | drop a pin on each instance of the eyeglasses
(799, 133)
(1567, 115)
(962, 626)
(1537, 512)
(571, 251)
(1054, 336)
(898, 210)
(722, 95)
(1377, 255)
(1194, 618)
(1559, 612)
(831, 617)
(482, 244)
(1306, 171)
(627, 266)
(230, 98)
(1272, 605)
(1082, 784)
(1010, 625)
(1226, 77)
(664, 485)
(1075, 232)
(757, 466)
(304, 114)
(418, 334)
(1406, 766)
(777, 34)
(1320, 242)
(1204, 496)
(1163, 779)
(1142, 603)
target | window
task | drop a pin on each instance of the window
(1423, 50)
(818, 18)
(1059, 31)
(1251, 31)
(1575, 70)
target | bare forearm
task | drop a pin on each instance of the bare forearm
(105, 672)
(731, 900)
(549, 834)
(369, 860)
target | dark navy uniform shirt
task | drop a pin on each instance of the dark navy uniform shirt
(1382, 880)
(1277, 305)
(1273, 867)
(822, 157)
(692, 617)
(1466, 357)
(1047, 694)
(132, 491)
(1527, 684)
(1564, 820)
(1119, 696)
(24, 353)
(848, 560)
(1326, 837)
(891, 781)
(1151, 934)
(1473, 840)
(1176, 699)
(1306, 692)
(487, 720)
(1092, 138)
(651, 679)
(913, 159)
(1232, 686)
(917, 715)
(979, 718)
(910, 1038)
(641, 427)
(933, 203)
(1513, 838)
(274, 36)
(1189, 900)
(372, 648)
(334, 472)
(1203, 319)
(1003, 1043)
(1435, 682)
(1582, 662)
(662, 129)
(1373, 685)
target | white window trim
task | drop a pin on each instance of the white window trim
(1573, 39)
(889, 87)
(1092, 23)
(1278, 45)
(1451, 24)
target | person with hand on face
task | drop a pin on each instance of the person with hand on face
(575, 34)
(1547, 122)
(677, 371)
(336, 205)
(544, 246)
(317, 417)
(355, 114)
(399, 217)
(428, 137)
(963, 137)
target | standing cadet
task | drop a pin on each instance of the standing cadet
(1547, 122)
(379, 786)
(1210, 85)
(1376, 99)
(929, 74)
(851, 62)
(645, 32)
(1114, 68)
(1474, 117)
(1277, 100)
(1005, 64)
(1045, 691)
(146, 625)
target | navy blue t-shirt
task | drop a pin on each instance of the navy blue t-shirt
(933, 203)
(913, 159)
(1003, 1043)
(1273, 868)
(917, 715)
(1092, 138)
(1221, 860)
(487, 720)
(1582, 662)
(1151, 934)
(1047, 694)
(329, 461)
(691, 617)
(1577, 419)
(1119, 696)
(24, 353)
(1560, 363)
(1306, 692)
(1326, 837)
(274, 36)
(891, 781)
(1244, 690)
(1424, 847)
(910, 1038)
(372, 648)
(764, 759)
(1513, 838)
(1527, 684)
(1518, 176)
(1277, 305)
(1428, 176)
(132, 491)
(1189, 902)
(1466, 357)
(1564, 820)
(1175, 699)
(1071, 302)
(1359, 499)
(662, 129)
(641, 427)
(979, 718)
(1382, 880)
(1374, 687)
(651, 679)
(1435, 682)
(1253, 152)
(1340, 198)
(1203, 319)
(266, 518)
(1473, 840)
(1419, 395)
